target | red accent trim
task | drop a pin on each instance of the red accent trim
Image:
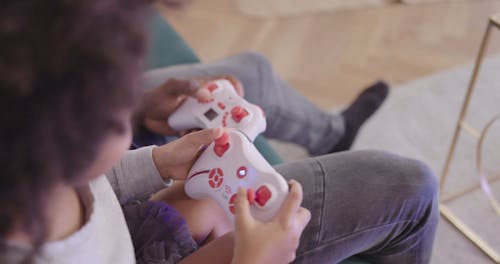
(224, 118)
(198, 174)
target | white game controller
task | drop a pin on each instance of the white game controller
(226, 109)
(230, 162)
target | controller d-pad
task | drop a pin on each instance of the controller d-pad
(215, 178)
(262, 195)
(238, 113)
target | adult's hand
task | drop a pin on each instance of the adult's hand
(158, 103)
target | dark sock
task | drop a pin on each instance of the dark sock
(359, 111)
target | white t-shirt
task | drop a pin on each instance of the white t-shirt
(105, 237)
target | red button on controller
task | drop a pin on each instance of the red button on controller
(212, 87)
(250, 196)
(238, 113)
(221, 144)
(231, 203)
(262, 195)
(221, 105)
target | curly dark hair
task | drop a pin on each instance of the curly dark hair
(67, 68)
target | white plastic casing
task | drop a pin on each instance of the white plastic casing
(219, 112)
(241, 165)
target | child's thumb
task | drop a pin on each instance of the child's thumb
(242, 209)
(203, 137)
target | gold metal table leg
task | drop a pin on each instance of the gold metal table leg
(494, 22)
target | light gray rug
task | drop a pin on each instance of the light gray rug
(418, 121)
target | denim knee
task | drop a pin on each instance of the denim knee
(409, 177)
(259, 61)
(423, 181)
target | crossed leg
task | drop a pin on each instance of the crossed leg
(373, 204)
(205, 219)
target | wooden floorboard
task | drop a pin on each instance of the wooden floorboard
(329, 57)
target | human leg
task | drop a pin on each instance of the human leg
(373, 204)
(288, 113)
(205, 219)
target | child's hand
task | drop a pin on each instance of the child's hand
(175, 159)
(158, 103)
(272, 242)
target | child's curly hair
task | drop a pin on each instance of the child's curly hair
(67, 68)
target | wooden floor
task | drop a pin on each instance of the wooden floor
(330, 57)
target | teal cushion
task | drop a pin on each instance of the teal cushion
(167, 48)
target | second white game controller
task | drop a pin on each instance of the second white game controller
(226, 109)
(230, 162)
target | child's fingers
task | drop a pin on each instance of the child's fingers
(198, 139)
(242, 209)
(303, 216)
(291, 204)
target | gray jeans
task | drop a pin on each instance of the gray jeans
(373, 204)
(290, 116)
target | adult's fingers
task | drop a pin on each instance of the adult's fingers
(291, 204)
(178, 87)
(203, 94)
(242, 210)
(238, 86)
